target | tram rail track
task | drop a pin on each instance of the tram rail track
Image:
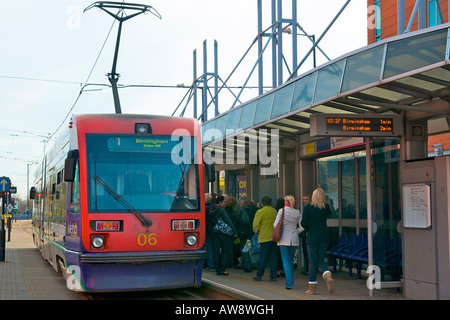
(202, 293)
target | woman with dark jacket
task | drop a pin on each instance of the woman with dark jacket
(314, 220)
(222, 243)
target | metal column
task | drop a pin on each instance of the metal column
(205, 85)
(400, 16)
(195, 83)
(294, 37)
(369, 206)
(260, 64)
(280, 43)
(274, 46)
(216, 80)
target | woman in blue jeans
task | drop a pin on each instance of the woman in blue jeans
(314, 221)
(289, 240)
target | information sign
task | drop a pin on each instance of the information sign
(356, 125)
(4, 184)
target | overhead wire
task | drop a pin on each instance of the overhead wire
(41, 80)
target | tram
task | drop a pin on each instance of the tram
(118, 203)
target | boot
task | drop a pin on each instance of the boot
(330, 282)
(312, 289)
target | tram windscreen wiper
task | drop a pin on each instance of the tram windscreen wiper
(145, 221)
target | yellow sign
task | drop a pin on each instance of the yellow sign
(309, 148)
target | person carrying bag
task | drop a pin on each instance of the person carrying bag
(288, 218)
(278, 229)
(223, 234)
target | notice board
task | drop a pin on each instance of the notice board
(417, 205)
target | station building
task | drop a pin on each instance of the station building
(399, 77)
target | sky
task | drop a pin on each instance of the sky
(50, 50)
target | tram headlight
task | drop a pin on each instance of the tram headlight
(98, 242)
(191, 240)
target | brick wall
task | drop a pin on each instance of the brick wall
(389, 17)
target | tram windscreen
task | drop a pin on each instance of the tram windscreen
(151, 173)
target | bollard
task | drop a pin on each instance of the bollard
(9, 228)
(2, 244)
(2, 230)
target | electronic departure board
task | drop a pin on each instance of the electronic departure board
(356, 125)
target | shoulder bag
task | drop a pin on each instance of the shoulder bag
(278, 230)
(222, 228)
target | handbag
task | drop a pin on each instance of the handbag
(255, 246)
(223, 228)
(278, 230)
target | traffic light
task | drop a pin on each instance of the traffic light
(12, 201)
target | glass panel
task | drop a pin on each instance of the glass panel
(247, 114)
(329, 81)
(438, 73)
(326, 109)
(221, 124)
(274, 126)
(433, 15)
(303, 92)
(386, 207)
(363, 68)
(263, 109)
(385, 94)
(131, 168)
(347, 207)
(328, 181)
(377, 20)
(282, 101)
(206, 133)
(362, 194)
(233, 119)
(298, 124)
(415, 52)
(387, 212)
(423, 84)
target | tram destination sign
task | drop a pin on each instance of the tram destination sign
(356, 125)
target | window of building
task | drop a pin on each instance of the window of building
(433, 13)
(377, 20)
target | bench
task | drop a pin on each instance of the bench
(387, 253)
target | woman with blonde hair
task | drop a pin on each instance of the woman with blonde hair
(289, 240)
(314, 221)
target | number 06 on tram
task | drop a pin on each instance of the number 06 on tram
(118, 203)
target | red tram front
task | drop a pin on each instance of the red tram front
(134, 213)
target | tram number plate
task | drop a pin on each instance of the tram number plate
(144, 239)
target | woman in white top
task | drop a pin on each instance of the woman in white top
(289, 240)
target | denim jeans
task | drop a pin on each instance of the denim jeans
(287, 256)
(209, 252)
(222, 251)
(268, 252)
(316, 253)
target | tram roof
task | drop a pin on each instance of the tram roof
(405, 72)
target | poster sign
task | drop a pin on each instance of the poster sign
(417, 206)
(242, 185)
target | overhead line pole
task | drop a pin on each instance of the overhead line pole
(113, 77)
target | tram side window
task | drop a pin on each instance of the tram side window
(75, 194)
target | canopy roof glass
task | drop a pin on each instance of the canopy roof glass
(396, 74)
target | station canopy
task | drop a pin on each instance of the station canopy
(409, 72)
